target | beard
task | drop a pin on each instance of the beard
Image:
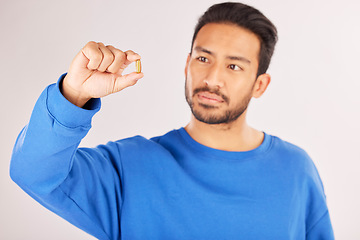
(204, 113)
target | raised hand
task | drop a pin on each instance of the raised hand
(96, 71)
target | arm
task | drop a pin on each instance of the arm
(322, 230)
(81, 185)
(45, 155)
(318, 222)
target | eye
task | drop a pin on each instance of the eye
(235, 67)
(203, 59)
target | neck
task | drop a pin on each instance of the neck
(235, 136)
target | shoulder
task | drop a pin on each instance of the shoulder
(286, 148)
(299, 163)
(289, 151)
(140, 141)
(140, 146)
(172, 135)
(295, 157)
(302, 169)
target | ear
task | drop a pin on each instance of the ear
(187, 64)
(261, 84)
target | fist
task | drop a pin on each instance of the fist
(96, 71)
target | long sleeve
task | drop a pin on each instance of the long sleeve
(319, 225)
(322, 230)
(82, 185)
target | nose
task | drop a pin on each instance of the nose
(214, 77)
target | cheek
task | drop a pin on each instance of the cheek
(188, 80)
(195, 72)
(188, 85)
(239, 93)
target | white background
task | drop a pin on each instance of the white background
(313, 100)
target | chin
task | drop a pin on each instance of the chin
(211, 114)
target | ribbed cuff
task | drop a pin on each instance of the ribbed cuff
(67, 113)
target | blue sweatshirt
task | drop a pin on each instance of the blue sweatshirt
(167, 187)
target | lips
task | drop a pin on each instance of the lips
(210, 97)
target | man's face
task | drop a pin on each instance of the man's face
(221, 72)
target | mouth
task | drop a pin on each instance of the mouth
(207, 97)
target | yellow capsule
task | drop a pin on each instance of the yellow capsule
(138, 66)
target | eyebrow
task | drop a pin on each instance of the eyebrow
(238, 58)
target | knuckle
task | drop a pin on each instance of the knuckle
(110, 57)
(120, 54)
(101, 44)
(90, 44)
(97, 57)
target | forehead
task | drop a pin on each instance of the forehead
(228, 39)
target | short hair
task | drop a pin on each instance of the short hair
(246, 17)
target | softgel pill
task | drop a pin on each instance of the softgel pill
(138, 66)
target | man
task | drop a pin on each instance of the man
(217, 178)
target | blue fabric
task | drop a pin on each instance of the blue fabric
(168, 187)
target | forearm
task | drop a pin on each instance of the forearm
(43, 152)
(46, 162)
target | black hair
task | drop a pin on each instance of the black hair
(246, 17)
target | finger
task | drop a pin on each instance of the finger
(127, 81)
(131, 56)
(107, 58)
(120, 58)
(92, 52)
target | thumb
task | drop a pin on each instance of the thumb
(126, 81)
